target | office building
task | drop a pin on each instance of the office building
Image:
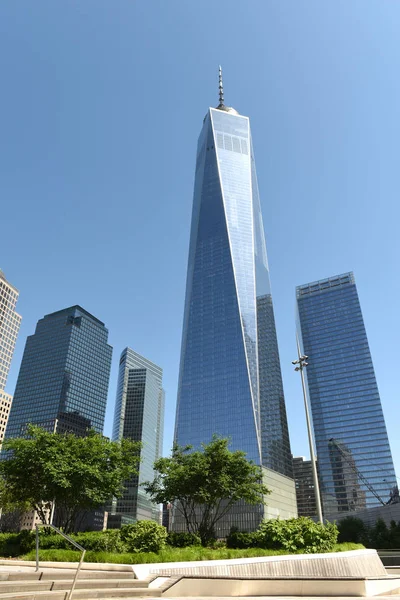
(139, 416)
(230, 380)
(5, 407)
(10, 322)
(92, 520)
(354, 459)
(166, 515)
(63, 379)
(304, 482)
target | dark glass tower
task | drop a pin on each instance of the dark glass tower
(305, 494)
(354, 460)
(139, 415)
(63, 380)
(230, 379)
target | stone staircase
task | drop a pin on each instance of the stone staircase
(55, 584)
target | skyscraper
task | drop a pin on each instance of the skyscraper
(10, 322)
(230, 379)
(5, 407)
(355, 463)
(63, 380)
(305, 493)
(139, 415)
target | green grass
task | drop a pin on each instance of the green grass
(347, 546)
(166, 555)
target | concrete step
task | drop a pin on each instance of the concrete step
(80, 594)
(6, 576)
(34, 596)
(115, 593)
(85, 584)
(12, 587)
(84, 574)
(64, 574)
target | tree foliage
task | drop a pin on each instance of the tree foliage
(353, 529)
(11, 510)
(379, 536)
(77, 473)
(205, 484)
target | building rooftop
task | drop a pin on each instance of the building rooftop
(317, 287)
(4, 278)
(71, 309)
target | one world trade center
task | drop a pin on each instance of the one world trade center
(230, 381)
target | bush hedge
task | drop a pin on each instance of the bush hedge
(292, 535)
(182, 539)
(240, 539)
(143, 536)
(295, 535)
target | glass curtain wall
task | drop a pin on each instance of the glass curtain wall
(355, 463)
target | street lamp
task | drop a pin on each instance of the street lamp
(300, 365)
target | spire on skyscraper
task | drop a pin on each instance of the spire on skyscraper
(221, 105)
(220, 88)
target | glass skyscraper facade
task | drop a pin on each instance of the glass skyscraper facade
(354, 459)
(63, 380)
(230, 380)
(139, 415)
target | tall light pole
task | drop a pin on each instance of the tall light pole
(300, 365)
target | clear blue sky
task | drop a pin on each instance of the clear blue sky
(100, 109)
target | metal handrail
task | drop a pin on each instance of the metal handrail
(64, 535)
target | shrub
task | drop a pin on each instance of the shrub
(101, 541)
(183, 539)
(144, 536)
(53, 541)
(217, 545)
(294, 535)
(9, 544)
(353, 529)
(26, 540)
(240, 539)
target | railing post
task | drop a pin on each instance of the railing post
(37, 547)
(64, 535)
(76, 576)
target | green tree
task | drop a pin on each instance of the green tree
(394, 535)
(380, 535)
(353, 529)
(204, 484)
(77, 473)
(11, 511)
